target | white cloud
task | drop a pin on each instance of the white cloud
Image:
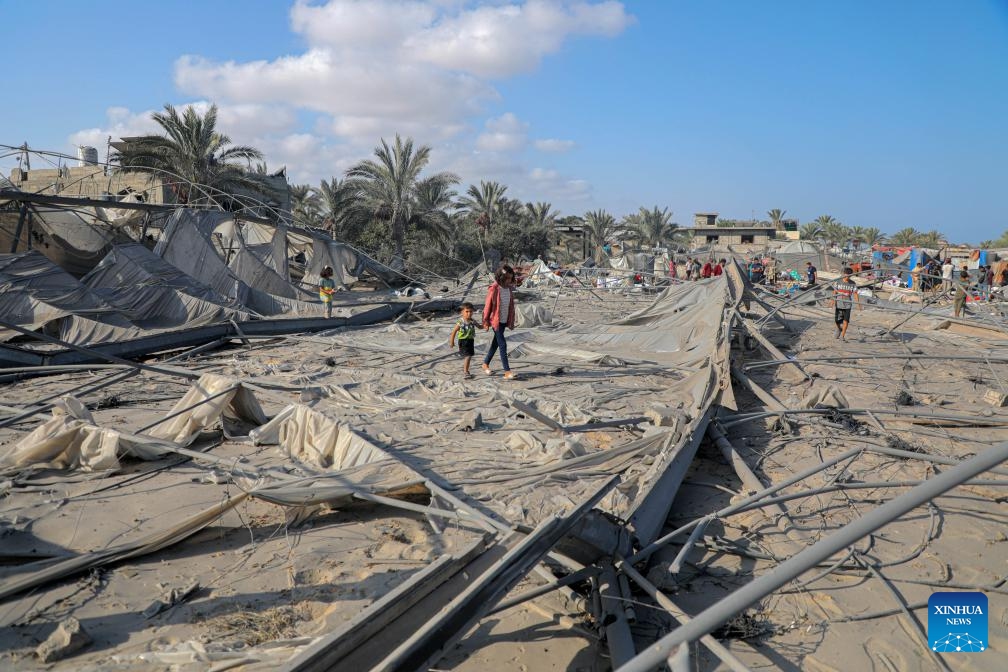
(373, 68)
(505, 133)
(120, 122)
(503, 40)
(379, 64)
(554, 146)
(242, 122)
(560, 188)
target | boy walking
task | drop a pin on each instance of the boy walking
(844, 296)
(465, 329)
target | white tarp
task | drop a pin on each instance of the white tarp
(541, 274)
(72, 440)
(220, 399)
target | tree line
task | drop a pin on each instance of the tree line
(389, 207)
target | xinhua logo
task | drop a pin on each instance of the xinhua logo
(957, 622)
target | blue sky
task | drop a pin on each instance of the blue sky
(885, 114)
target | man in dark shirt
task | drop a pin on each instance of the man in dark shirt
(844, 296)
(810, 272)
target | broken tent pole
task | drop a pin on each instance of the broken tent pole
(792, 568)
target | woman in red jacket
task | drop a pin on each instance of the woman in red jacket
(498, 314)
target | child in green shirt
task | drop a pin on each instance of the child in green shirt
(465, 328)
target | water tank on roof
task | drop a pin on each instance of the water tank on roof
(87, 156)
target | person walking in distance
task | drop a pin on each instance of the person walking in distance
(498, 314)
(844, 296)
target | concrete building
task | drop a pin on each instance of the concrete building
(706, 231)
(89, 180)
(788, 229)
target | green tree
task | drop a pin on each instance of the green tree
(856, 235)
(198, 163)
(905, 236)
(834, 232)
(932, 239)
(387, 185)
(653, 227)
(599, 226)
(482, 202)
(541, 213)
(433, 214)
(810, 231)
(872, 236)
(306, 207)
(339, 206)
(777, 217)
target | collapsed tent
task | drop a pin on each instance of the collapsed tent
(347, 263)
(72, 440)
(794, 254)
(337, 256)
(74, 239)
(156, 295)
(541, 274)
(187, 243)
(35, 293)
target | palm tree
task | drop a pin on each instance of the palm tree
(905, 236)
(508, 210)
(338, 203)
(987, 244)
(857, 235)
(653, 227)
(599, 227)
(387, 185)
(435, 201)
(483, 202)
(540, 213)
(872, 236)
(932, 238)
(810, 231)
(306, 207)
(834, 232)
(196, 160)
(777, 217)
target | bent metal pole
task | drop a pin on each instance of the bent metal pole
(716, 615)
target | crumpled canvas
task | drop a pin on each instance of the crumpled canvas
(238, 405)
(72, 440)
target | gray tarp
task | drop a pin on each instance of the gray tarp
(156, 295)
(187, 244)
(34, 293)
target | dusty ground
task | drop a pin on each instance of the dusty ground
(267, 586)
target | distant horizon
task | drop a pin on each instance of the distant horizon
(870, 113)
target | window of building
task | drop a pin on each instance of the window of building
(747, 239)
(713, 239)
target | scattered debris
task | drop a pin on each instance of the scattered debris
(903, 398)
(170, 598)
(68, 638)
